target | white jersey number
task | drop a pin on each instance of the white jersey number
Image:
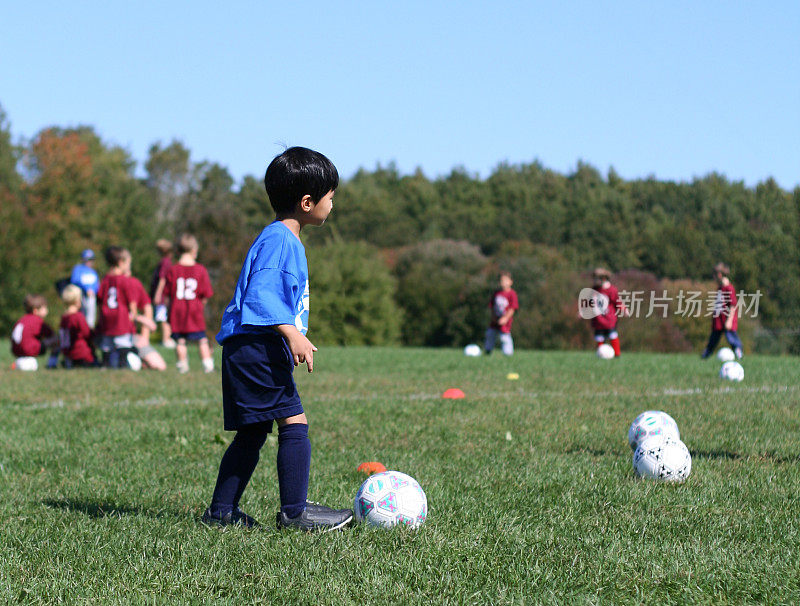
(111, 300)
(16, 334)
(185, 289)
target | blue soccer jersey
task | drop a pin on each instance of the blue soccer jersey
(272, 287)
(85, 277)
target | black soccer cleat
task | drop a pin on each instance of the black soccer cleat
(233, 518)
(316, 518)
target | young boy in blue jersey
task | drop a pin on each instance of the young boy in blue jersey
(263, 339)
(85, 277)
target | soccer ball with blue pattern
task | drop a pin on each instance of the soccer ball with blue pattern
(391, 498)
(652, 423)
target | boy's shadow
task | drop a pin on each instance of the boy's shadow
(104, 509)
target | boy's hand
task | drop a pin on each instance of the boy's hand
(302, 349)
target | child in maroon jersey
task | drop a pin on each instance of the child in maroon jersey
(725, 318)
(117, 301)
(188, 288)
(157, 283)
(504, 304)
(141, 340)
(605, 324)
(31, 337)
(74, 333)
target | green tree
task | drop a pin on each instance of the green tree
(169, 173)
(353, 291)
(442, 288)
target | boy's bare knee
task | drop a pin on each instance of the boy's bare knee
(301, 418)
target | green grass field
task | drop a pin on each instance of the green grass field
(104, 475)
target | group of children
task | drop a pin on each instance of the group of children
(263, 337)
(724, 318)
(125, 316)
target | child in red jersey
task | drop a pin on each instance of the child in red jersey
(605, 324)
(31, 337)
(157, 283)
(725, 318)
(188, 288)
(74, 333)
(504, 304)
(141, 341)
(117, 302)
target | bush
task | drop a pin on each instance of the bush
(352, 296)
(443, 287)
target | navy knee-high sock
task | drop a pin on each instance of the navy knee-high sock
(294, 465)
(236, 467)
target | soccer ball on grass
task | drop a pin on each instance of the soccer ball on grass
(391, 498)
(652, 423)
(472, 350)
(605, 351)
(726, 355)
(662, 458)
(732, 371)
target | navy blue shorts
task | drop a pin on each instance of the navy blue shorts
(190, 336)
(257, 383)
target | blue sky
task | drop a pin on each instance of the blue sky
(672, 89)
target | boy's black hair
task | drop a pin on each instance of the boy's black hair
(296, 172)
(115, 254)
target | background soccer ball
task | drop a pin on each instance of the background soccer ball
(652, 423)
(605, 352)
(732, 371)
(472, 350)
(662, 458)
(726, 354)
(391, 498)
(134, 361)
(27, 363)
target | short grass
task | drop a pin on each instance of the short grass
(104, 475)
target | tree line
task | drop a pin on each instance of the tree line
(406, 259)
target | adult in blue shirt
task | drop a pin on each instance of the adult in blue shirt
(85, 277)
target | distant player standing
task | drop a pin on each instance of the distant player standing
(188, 288)
(85, 277)
(725, 317)
(605, 324)
(503, 305)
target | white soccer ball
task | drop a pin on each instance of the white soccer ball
(472, 350)
(27, 363)
(605, 351)
(134, 361)
(652, 423)
(390, 498)
(732, 371)
(726, 354)
(662, 458)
